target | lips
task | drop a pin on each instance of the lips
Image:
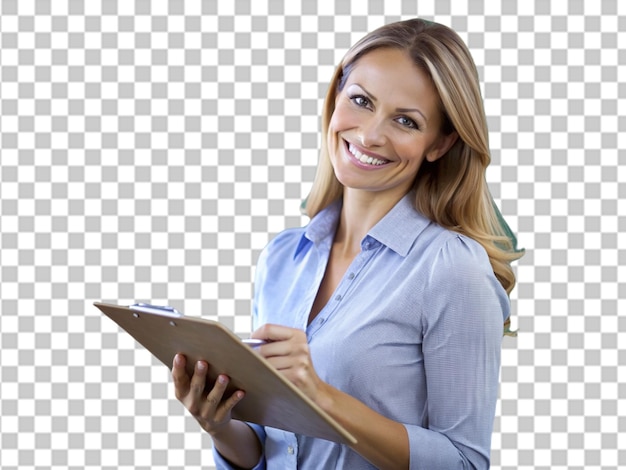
(365, 158)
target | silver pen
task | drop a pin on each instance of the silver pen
(254, 343)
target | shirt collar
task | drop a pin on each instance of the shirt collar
(401, 226)
(398, 229)
(321, 227)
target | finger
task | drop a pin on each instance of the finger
(217, 392)
(281, 363)
(227, 406)
(276, 348)
(295, 347)
(179, 375)
(273, 332)
(198, 381)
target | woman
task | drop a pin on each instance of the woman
(387, 309)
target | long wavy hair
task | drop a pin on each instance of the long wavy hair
(452, 191)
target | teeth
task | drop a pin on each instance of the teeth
(365, 158)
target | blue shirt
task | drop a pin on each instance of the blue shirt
(413, 330)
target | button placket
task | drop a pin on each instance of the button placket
(344, 285)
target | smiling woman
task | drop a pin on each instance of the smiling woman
(387, 309)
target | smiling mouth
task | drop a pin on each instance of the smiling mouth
(363, 158)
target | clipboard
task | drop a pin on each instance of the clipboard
(271, 400)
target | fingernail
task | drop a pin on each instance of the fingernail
(221, 379)
(178, 359)
(239, 395)
(201, 365)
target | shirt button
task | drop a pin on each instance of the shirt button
(290, 450)
(338, 298)
(351, 276)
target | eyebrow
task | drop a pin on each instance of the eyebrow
(400, 110)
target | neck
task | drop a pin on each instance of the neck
(360, 212)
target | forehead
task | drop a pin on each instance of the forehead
(392, 74)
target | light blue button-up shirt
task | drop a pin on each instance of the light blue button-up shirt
(413, 330)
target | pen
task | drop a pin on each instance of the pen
(254, 343)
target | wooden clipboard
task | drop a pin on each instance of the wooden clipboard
(271, 400)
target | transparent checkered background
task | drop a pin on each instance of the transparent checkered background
(149, 150)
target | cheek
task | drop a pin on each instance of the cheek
(411, 150)
(337, 124)
(342, 119)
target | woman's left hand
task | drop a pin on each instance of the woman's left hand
(288, 351)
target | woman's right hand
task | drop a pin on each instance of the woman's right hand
(212, 410)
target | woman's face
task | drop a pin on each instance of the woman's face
(386, 122)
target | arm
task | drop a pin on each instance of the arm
(238, 444)
(462, 340)
(382, 441)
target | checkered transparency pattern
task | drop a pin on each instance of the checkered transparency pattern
(149, 150)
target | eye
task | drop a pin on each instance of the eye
(360, 100)
(406, 122)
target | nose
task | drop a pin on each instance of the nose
(372, 132)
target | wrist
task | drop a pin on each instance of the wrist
(221, 432)
(325, 398)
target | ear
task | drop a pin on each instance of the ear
(441, 147)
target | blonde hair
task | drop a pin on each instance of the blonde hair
(452, 191)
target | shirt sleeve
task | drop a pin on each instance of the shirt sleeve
(462, 317)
